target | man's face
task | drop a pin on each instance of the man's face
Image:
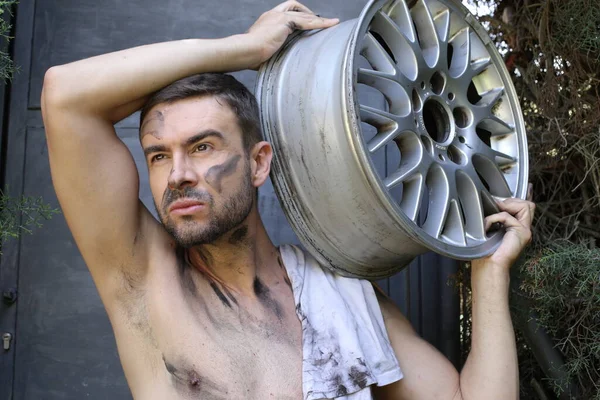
(199, 172)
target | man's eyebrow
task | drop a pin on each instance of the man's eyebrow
(154, 149)
(203, 135)
(196, 138)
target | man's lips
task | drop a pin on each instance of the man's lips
(185, 206)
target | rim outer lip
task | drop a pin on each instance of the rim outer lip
(300, 217)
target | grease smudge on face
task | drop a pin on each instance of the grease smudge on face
(215, 174)
(156, 116)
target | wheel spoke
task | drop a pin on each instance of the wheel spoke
(368, 76)
(496, 125)
(398, 100)
(476, 67)
(428, 38)
(492, 174)
(382, 138)
(439, 201)
(413, 160)
(377, 118)
(405, 171)
(501, 159)
(442, 24)
(491, 97)
(487, 201)
(412, 195)
(461, 55)
(400, 15)
(404, 50)
(468, 194)
(377, 56)
(454, 230)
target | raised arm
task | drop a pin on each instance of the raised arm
(491, 370)
(94, 174)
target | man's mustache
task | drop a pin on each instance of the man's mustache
(186, 193)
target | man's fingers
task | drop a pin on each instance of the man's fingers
(510, 223)
(523, 210)
(293, 6)
(305, 21)
(503, 218)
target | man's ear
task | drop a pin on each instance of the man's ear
(260, 162)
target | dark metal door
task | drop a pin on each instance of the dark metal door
(63, 345)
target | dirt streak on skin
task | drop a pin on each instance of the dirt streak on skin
(239, 236)
(184, 264)
(187, 279)
(230, 296)
(220, 294)
(215, 174)
(264, 295)
(161, 119)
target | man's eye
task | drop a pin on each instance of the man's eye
(202, 147)
(157, 157)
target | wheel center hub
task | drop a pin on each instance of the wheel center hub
(437, 120)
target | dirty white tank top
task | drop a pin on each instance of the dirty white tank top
(345, 345)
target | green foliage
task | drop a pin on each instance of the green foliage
(22, 215)
(562, 281)
(576, 26)
(552, 51)
(25, 213)
(7, 67)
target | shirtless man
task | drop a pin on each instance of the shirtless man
(199, 303)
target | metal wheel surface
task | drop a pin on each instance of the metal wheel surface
(392, 133)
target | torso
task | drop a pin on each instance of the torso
(179, 337)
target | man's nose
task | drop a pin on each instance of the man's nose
(182, 175)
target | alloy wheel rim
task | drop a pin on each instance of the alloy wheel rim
(452, 112)
(429, 95)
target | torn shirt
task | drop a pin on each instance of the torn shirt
(345, 345)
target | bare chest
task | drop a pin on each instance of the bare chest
(203, 342)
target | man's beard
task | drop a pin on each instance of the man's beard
(189, 233)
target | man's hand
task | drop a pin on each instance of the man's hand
(516, 216)
(274, 26)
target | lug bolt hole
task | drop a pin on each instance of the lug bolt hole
(456, 156)
(422, 85)
(416, 101)
(441, 157)
(461, 139)
(451, 96)
(437, 83)
(461, 117)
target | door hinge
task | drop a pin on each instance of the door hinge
(6, 339)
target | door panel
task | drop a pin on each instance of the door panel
(64, 345)
(65, 348)
(68, 30)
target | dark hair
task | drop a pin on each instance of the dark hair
(224, 87)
